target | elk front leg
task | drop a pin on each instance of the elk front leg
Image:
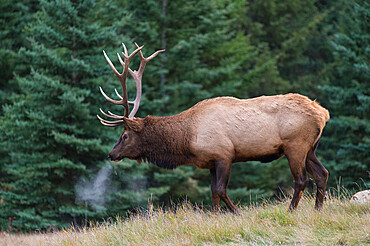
(215, 196)
(220, 180)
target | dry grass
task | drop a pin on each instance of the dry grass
(340, 223)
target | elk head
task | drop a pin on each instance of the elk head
(127, 145)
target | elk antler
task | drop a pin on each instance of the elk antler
(136, 75)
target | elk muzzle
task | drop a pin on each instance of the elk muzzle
(114, 156)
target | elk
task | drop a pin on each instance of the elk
(217, 132)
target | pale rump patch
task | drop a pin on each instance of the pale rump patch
(361, 197)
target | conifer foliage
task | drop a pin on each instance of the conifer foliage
(346, 142)
(50, 132)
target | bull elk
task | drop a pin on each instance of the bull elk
(217, 132)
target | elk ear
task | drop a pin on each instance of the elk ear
(136, 125)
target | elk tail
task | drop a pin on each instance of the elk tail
(316, 142)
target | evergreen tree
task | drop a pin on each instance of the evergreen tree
(346, 144)
(14, 16)
(50, 133)
(284, 31)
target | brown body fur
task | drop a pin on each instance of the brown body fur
(217, 132)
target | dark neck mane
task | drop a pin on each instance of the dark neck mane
(166, 141)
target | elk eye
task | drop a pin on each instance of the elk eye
(124, 137)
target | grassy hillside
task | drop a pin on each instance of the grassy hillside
(340, 223)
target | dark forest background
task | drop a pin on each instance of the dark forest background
(52, 146)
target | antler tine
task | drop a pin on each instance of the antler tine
(110, 123)
(129, 102)
(112, 116)
(118, 95)
(124, 48)
(150, 57)
(109, 99)
(109, 112)
(111, 64)
(155, 54)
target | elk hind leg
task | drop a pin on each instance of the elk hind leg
(319, 174)
(297, 164)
